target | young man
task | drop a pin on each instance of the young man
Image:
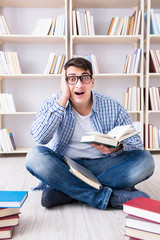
(64, 120)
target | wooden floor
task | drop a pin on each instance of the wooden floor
(69, 222)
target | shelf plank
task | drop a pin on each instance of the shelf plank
(18, 113)
(30, 39)
(116, 75)
(105, 39)
(18, 150)
(29, 76)
(33, 4)
(154, 39)
(105, 4)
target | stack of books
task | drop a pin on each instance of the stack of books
(154, 98)
(154, 65)
(155, 22)
(55, 64)
(7, 143)
(127, 25)
(4, 30)
(132, 62)
(10, 204)
(50, 26)
(132, 101)
(153, 136)
(7, 103)
(82, 23)
(9, 63)
(92, 58)
(143, 219)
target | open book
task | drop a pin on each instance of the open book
(113, 138)
(82, 173)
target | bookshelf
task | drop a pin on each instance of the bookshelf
(152, 42)
(33, 52)
(109, 47)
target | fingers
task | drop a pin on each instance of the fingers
(102, 148)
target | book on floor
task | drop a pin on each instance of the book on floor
(142, 224)
(9, 221)
(6, 232)
(12, 198)
(143, 207)
(136, 233)
(4, 212)
(112, 138)
(83, 173)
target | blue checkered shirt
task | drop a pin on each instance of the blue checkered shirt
(56, 124)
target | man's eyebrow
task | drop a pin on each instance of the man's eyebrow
(71, 74)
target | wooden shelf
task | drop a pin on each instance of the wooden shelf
(32, 39)
(105, 4)
(116, 75)
(18, 113)
(29, 76)
(154, 39)
(105, 39)
(33, 3)
(18, 150)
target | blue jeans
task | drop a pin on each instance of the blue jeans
(114, 172)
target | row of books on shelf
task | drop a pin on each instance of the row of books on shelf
(154, 61)
(7, 143)
(153, 137)
(55, 64)
(50, 26)
(155, 22)
(4, 30)
(132, 62)
(127, 25)
(143, 218)
(132, 99)
(6, 103)
(10, 206)
(154, 98)
(82, 23)
(92, 58)
(9, 63)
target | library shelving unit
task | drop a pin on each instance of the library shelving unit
(33, 52)
(152, 41)
(111, 50)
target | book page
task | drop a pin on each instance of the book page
(119, 131)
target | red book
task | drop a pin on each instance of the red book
(6, 232)
(144, 208)
(9, 221)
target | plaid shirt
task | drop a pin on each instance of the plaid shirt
(56, 123)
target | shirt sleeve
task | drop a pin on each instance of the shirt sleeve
(47, 121)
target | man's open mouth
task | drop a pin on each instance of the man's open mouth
(79, 93)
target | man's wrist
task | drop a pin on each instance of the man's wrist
(62, 101)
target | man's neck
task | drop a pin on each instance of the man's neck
(85, 109)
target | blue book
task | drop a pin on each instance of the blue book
(12, 199)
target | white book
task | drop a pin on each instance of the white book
(137, 30)
(137, 60)
(89, 22)
(155, 98)
(157, 138)
(5, 103)
(123, 27)
(36, 28)
(134, 99)
(49, 63)
(6, 140)
(79, 26)
(2, 26)
(3, 59)
(74, 24)
(57, 25)
(5, 25)
(3, 141)
(46, 26)
(11, 102)
(82, 23)
(92, 25)
(16, 62)
(154, 29)
(86, 23)
(63, 26)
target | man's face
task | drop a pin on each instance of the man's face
(80, 92)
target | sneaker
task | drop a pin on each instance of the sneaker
(119, 197)
(52, 197)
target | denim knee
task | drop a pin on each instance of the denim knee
(149, 162)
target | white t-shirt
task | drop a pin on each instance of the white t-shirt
(77, 150)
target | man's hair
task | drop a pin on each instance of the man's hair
(79, 63)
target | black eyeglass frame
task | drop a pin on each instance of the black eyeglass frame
(79, 77)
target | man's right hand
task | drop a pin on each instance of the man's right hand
(65, 90)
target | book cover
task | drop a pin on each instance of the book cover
(82, 173)
(9, 221)
(12, 198)
(142, 224)
(6, 232)
(113, 138)
(131, 232)
(8, 211)
(143, 207)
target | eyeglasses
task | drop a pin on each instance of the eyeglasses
(86, 79)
